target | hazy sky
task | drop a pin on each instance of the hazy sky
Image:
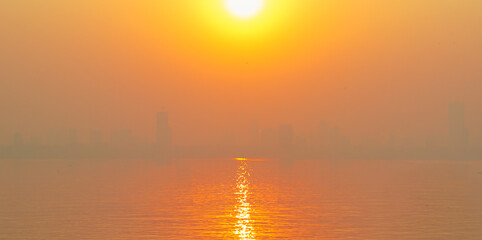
(372, 67)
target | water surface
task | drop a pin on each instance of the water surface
(236, 199)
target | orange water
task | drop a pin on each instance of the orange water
(229, 199)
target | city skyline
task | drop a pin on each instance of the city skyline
(325, 141)
(241, 119)
(372, 72)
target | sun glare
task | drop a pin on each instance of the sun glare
(244, 8)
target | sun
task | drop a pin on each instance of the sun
(244, 8)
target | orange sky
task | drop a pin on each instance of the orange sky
(372, 67)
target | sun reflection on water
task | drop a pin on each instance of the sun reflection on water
(244, 225)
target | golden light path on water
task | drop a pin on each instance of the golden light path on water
(244, 226)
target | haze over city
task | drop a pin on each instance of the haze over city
(241, 119)
(374, 68)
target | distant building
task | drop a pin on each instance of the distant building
(72, 137)
(255, 133)
(334, 137)
(95, 138)
(323, 134)
(163, 131)
(458, 133)
(18, 140)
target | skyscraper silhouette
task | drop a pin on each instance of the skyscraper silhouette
(95, 138)
(255, 133)
(458, 133)
(18, 140)
(163, 132)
